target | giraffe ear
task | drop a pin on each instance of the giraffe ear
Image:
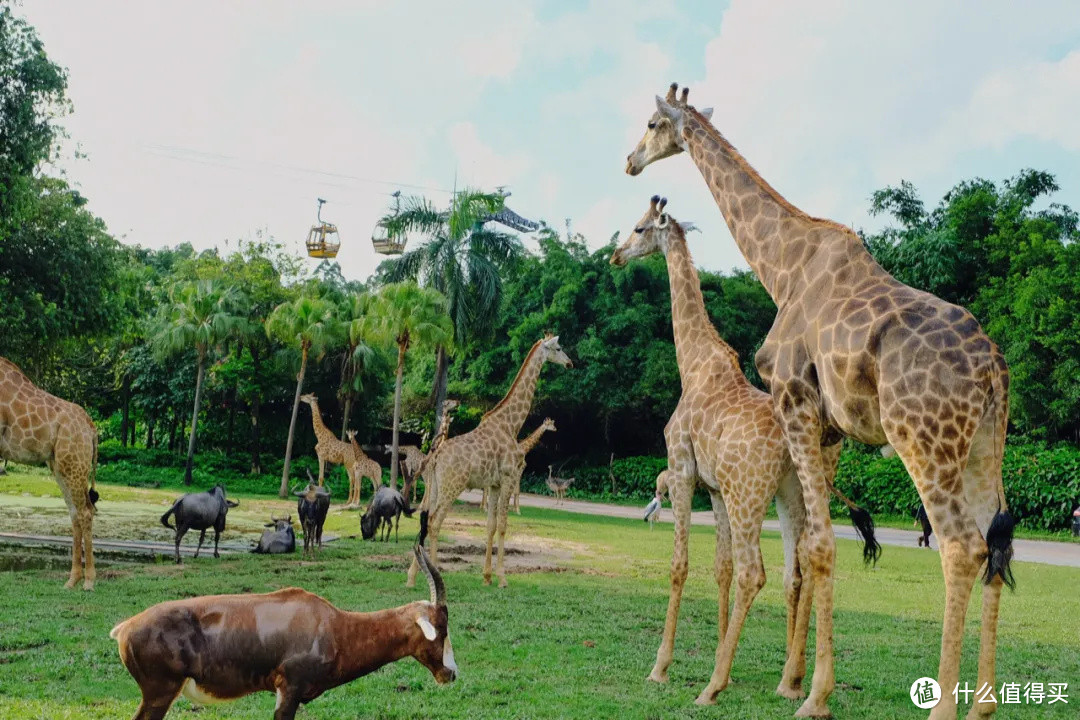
(706, 113)
(661, 222)
(666, 110)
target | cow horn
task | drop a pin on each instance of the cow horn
(435, 581)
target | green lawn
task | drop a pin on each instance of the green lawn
(573, 636)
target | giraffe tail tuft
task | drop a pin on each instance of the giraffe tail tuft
(999, 544)
(864, 528)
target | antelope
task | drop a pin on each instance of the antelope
(290, 642)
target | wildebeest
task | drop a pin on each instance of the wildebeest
(922, 519)
(386, 508)
(199, 511)
(278, 539)
(312, 507)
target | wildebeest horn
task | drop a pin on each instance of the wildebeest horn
(435, 581)
(309, 478)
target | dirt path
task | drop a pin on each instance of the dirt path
(1039, 551)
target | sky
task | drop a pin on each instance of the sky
(205, 122)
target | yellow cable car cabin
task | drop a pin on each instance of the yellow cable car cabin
(322, 240)
(382, 240)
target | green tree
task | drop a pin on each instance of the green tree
(199, 315)
(410, 315)
(308, 324)
(462, 258)
(357, 329)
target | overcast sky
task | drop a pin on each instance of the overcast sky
(205, 121)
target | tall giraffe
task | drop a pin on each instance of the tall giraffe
(525, 447)
(362, 467)
(488, 457)
(855, 352)
(37, 428)
(329, 449)
(723, 431)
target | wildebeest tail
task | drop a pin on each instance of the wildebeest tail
(165, 517)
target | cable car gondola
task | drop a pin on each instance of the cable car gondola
(322, 239)
(381, 238)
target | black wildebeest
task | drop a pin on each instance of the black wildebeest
(385, 508)
(312, 507)
(278, 539)
(199, 511)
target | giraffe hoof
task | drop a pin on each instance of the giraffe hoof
(707, 697)
(813, 709)
(88, 585)
(71, 583)
(487, 579)
(790, 692)
(502, 582)
(981, 711)
(659, 676)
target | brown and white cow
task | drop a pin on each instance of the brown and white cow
(290, 642)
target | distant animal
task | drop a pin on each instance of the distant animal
(558, 486)
(312, 507)
(278, 539)
(199, 511)
(3, 470)
(291, 642)
(1076, 522)
(653, 508)
(922, 519)
(384, 511)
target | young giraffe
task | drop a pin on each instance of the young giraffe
(328, 448)
(855, 352)
(723, 432)
(37, 428)
(363, 467)
(415, 460)
(488, 457)
(525, 447)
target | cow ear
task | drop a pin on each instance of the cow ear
(231, 503)
(427, 627)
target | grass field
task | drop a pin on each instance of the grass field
(573, 636)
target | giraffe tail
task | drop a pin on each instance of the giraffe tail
(94, 496)
(999, 536)
(864, 527)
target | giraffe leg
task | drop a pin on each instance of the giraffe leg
(90, 573)
(680, 489)
(492, 520)
(503, 509)
(76, 527)
(322, 469)
(723, 570)
(745, 546)
(802, 430)
(798, 592)
(517, 495)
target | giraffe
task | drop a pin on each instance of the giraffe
(722, 432)
(331, 450)
(488, 456)
(525, 447)
(854, 352)
(37, 428)
(415, 460)
(362, 467)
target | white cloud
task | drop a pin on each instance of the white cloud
(478, 164)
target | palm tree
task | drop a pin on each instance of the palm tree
(357, 327)
(308, 323)
(462, 259)
(410, 315)
(202, 315)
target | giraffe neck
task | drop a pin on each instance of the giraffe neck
(696, 339)
(317, 422)
(512, 410)
(759, 218)
(530, 442)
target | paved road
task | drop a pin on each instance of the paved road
(1040, 551)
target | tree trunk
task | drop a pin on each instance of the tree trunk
(284, 490)
(125, 395)
(195, 418)
(133, 433)
(345, 418)
(442, 369)
(256, 400)
(234, 391)
(150, 432)
(174, 429)
(397, 415)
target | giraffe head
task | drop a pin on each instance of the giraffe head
(664, 131)
(309, 398)
(650, 234)
(351, 434)
(548, 425)
(549, 346)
